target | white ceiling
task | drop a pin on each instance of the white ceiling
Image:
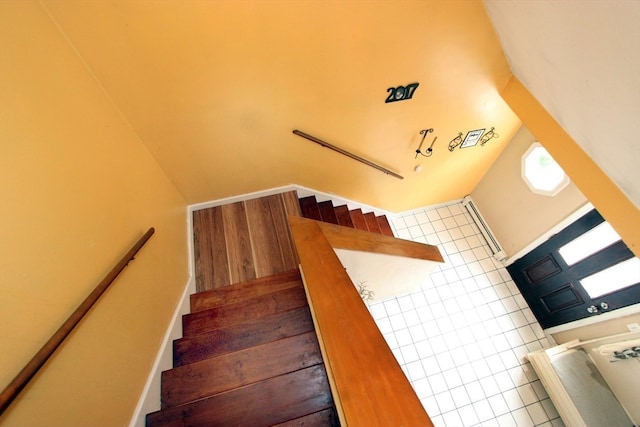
(581, 60)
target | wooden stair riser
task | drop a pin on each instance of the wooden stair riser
(208, 377)
(372, 222)
(357, 217)
(206, 321)
(385, 227)
(309, 208)
(341, 215)
(344, 219)
(327, 212)
(266, 403)
(242, 336)
(244, 291)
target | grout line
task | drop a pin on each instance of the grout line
(484, 327)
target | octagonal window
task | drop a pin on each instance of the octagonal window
(541, 172)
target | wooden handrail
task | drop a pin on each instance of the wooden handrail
(368, 385)
(346, 153)
(351, 238)
(31, 368)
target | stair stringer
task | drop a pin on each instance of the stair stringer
(149, 400)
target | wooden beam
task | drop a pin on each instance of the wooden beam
(368, 385)
(350, 238)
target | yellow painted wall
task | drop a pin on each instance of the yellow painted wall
(216, 93)
(517, 215)
(599, 189)
(77, 189)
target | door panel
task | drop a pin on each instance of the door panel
(552, 288)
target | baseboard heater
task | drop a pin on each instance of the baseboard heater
(498, 253)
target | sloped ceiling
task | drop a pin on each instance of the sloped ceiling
(581, 60)
(215, 88)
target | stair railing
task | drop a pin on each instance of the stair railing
(368, 385)
(31, 369)
(346, 153)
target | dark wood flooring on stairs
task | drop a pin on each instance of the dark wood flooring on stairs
(341, 215)
(249, 355)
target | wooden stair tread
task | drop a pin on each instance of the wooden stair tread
(241, 336)
(309, 208)
(385, 227)
(229, 314)
(372, 223)
(244, 290)
(232, 370)
(265, 403)
(327, 212)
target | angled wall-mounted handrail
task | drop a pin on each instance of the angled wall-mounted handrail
(346, 153)
(31, 369)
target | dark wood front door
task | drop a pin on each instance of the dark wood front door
(552, 286)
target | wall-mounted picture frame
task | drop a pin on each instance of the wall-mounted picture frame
(472, 138)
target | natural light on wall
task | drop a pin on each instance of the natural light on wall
(589, 243)
(619, 276)
(541, 172)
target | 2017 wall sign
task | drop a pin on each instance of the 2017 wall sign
(401, 93)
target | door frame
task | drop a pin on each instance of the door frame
(603, 317)
(573, 217)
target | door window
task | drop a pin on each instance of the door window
(614, 278)
(594, 240)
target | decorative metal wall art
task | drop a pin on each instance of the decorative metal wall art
(429, 151)
(401, 93)
(455, 142)
(472, 138)
(488, 135)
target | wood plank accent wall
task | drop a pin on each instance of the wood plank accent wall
(244, 240)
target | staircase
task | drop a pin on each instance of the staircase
(249, 356)
(341, 215)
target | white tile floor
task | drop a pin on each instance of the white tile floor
(462, 338)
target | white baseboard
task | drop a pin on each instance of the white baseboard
(302, 192)
(150, 398)
(240, 198)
